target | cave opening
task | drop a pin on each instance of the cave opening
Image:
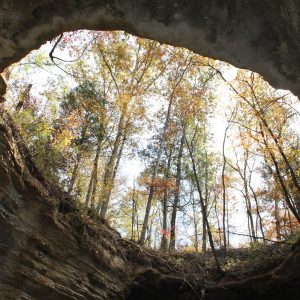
(34, 231)
(124, 125)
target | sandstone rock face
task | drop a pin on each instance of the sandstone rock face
(263, 36)
(46, 250)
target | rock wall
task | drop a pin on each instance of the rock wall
(263, 36)
(47, 249)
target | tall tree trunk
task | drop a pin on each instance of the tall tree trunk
(249, 212)
(204, 231)
(248, 198)
(94, 191)
(290, 219)
(164, 239)
(195, 221)
(257, 211)
(203, 208)
(205, 199)
(177, 193)
(224, 191)
(106, 200)
(228, 229)
(149, 235)
(218, 222)
(137, 223)
(78, 160)
(243, 175)
(74, 173)
(93, 180)
(133, 213)
(109, 170)
(277, 220)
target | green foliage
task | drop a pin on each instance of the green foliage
(294, 238)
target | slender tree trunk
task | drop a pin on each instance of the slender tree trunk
(204, 231)
(228, 229)
(149, 235)
(250, 215)
(218, 222)
(277, 220)
(105, 203)
(195, 223)
(74, 173)
(248, 221)
(164, 239)
(109, 171)
(290, 219)
(177, 194)
(93, 177)
(137, 222)
(205, 199)
(224, 191)
(243, 175)
(257, 211)
(203, 208)
(133, 215)
(248, 198)
(94, 191)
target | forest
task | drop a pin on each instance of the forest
(178, 152)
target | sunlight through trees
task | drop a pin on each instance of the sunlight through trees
(177, 151)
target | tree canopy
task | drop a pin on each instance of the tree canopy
(178, 151)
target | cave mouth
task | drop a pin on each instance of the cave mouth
(50, 249)
(111, 116)
(107, 115)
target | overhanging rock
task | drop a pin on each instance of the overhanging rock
(263, 36)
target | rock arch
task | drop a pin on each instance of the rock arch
(263, 36)
(43, 251)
